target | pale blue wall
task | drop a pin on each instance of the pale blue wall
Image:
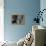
(28, 7)
(43, 6)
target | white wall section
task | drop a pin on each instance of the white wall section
(1, 20)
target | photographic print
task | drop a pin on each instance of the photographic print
(18, 19)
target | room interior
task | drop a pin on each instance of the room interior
(22, 23)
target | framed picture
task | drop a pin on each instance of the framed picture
(18, 19)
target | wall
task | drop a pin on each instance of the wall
(1, 21)
(42, 6)
(26, 7)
